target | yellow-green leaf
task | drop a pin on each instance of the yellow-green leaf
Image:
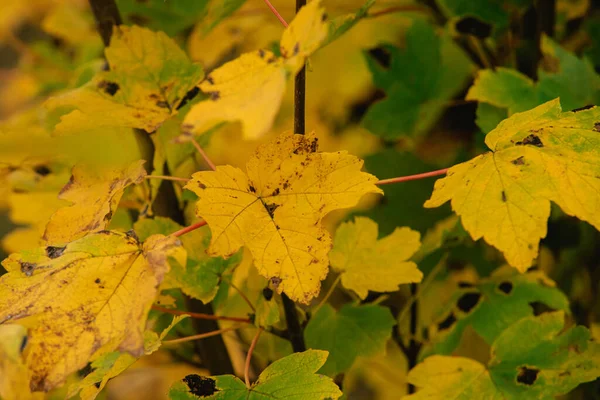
(43, 290)
(539, 156)
(14, 375)
(95, 194)
(366, 263)
(250, 88)
(276, 207)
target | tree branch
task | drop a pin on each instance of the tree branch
(107, 16)
(296, 333)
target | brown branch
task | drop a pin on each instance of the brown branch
(202, 315)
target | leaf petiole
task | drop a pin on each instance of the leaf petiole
(274, 10)
(201, 315)
(202, 335)
(249, 357)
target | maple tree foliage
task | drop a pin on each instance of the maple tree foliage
(175, 211)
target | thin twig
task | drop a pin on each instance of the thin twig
(203, 154)
(412, 177)
(202, 315)
(242, 294)
(328, 294)
(167, 178)
(274, 11)
(249, 357)
(202, 335)
(190, 228)
(397, 9)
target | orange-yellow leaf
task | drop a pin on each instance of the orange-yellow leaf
(93, 293)
(95, 194)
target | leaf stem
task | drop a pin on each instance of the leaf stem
(188, 229)
(167, 178)
(328, 294)
(274, 11)
(242, 294)
(202, 315)
(202, 335)
(412, 177)
(249, 357)
(203, 154)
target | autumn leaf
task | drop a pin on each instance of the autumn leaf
(149, 78)
(92, 294)
(95, 194)
(250, 88)
(291, 377)
(370, 326)
(276, 207)
(14, 375)
(536, 358)
(537, 157)
(112, 364)
(366, 263)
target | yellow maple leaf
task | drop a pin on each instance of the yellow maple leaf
(43, 291)
(536, 157)
(95, 194)
(14, 375)
(250, 88)
(275, 208)
(148, 79)
(366, 263)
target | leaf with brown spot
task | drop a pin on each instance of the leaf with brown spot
(282, 229)
(69, 315)
(95, 194)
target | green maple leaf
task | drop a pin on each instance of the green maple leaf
(533, 359)
(492, 305)
(419, 81)
(561, 74)
(353, 331)
(291, 378)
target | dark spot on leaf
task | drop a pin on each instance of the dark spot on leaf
(286, 185)
(27, 268)
(252, 189)
(131, 234)
(527, 376)
(275, 281)
(474, 26)
(447, 323)
(42, 170)
(191, 94)
(97, 384)
(505, 287)
(531, 140)
(261, 53)
(54, 252)
(201, 185)
(214, 96)
(162, 104)
(85, 371)
(463, 284)
(583, 108)
(382, 56)
(468, 301)
(210, 80)
(324, 17)
(97, 280)
(314, 145)
(110, 88)
(275, 192)
(271, 209)
(23, 344)
(518, 161)
(296, 48)
(540, 308)
(267, 294)
(503, 196)
(597, 126)
(200, 385)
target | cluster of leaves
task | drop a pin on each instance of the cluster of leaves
(120, 219)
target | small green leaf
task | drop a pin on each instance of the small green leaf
(353, 331)
(292, 377)
(533, 359)
(342, 24)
